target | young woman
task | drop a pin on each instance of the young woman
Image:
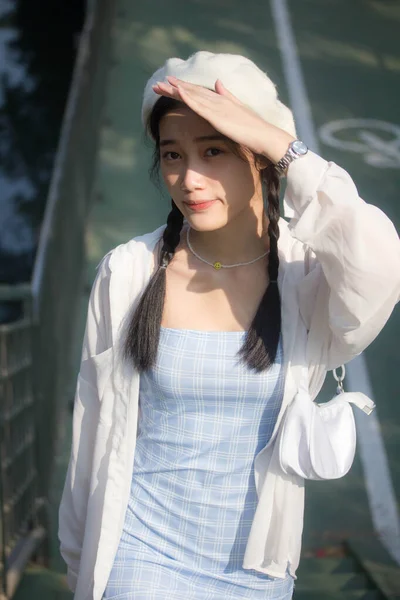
(196, 337)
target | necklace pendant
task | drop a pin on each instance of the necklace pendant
(217, 265)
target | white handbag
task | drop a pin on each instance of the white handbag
(318, 441)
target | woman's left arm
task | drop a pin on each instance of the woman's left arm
(356, 246)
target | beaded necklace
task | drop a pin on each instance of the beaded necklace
(217, 264)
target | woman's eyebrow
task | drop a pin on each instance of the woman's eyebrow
(209, 138)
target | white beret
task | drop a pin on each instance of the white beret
(239, 75)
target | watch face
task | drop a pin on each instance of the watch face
(299, 147)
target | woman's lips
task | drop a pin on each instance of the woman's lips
(198, 206)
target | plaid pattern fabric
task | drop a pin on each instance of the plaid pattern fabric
(203, 418)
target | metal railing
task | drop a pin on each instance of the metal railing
(18, 468)
(36, 359)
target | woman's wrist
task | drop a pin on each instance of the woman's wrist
(275, 143)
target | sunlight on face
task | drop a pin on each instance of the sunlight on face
(197, 170)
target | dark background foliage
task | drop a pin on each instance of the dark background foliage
(41, 51)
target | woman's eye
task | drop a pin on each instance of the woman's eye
(168, 155)
(215, 150)
(171, 156)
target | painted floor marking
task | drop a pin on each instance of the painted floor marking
(371, 448)
(378, 141)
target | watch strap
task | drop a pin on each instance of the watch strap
(285, 161)
(287, 158)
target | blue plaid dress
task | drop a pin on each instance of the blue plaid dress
(203, 418)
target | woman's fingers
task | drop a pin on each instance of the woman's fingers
(221, 89)
(181, 92)
(175, 86)
(175, 82)
(208, 104)
(197, 90)
(165, 88)
(178, 93)
(205, 92)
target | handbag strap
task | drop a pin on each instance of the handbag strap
(357, 398)
(361, 401)
(339, 379)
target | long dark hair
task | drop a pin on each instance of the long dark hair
(261, 341)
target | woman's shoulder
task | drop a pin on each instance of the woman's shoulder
(137, 248)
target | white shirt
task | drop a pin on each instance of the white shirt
(339, 279)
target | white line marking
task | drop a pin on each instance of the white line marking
(294, 78)
(370, 443)
(378, 141)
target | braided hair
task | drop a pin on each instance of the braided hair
(144, 330)
(261, 342)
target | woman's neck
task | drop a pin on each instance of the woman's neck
(236, 242)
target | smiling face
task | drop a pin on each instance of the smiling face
(208, 182)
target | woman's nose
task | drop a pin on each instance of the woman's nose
(192, 179)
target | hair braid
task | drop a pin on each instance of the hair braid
(261, 344)
(144, 330)
(171, 235)
(273, 213)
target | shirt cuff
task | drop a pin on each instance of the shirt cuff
(303, 177)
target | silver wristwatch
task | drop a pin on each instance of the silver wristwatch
(296, 149)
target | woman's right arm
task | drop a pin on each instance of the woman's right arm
(97, 341)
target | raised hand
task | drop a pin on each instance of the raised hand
(228, 115)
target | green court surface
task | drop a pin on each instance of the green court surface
(350, 59)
